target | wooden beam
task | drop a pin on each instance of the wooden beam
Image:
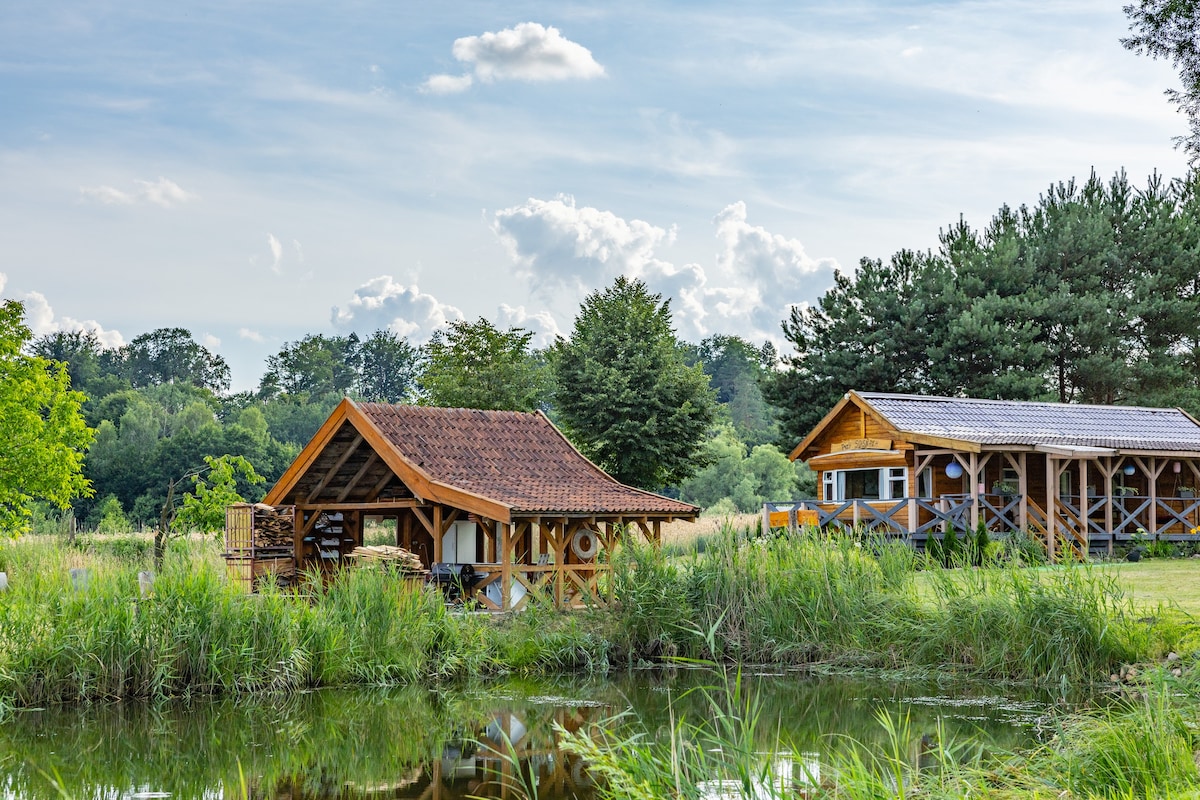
(381, 505)
(373, 495)
(337, 465)
(358, 476)
(425, 522)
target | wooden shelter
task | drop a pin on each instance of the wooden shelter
(502, 494)
(1076, 477)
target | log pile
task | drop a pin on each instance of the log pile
(273, 527)
(398, 557)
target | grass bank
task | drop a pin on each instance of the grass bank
(798, 600)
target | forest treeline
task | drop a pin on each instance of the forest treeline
(1090, 295)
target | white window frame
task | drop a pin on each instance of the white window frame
(833, 482)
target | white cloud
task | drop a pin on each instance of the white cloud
(541, 323)
(250, 335)
(210, 342)
(447, 84)
(162, 192)
(3, 281)
(526, 52)
(558, 244)
(276, 253)
(299, 251)
(406, 310)
(756, 278)
(40, 318)
(909, 52)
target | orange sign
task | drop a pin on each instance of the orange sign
(804, 518)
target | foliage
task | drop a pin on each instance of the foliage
(1170, 29)
(746, 480)
(624, 393)
(1088, 296)
(388, 368)
(41, 426)
(203, 508)
(110, 518)
(735, 368)
(477, 365)
(170, 355)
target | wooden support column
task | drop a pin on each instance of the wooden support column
(437, 533)
(976, 474)
(506, 564)
(1084, 501)
(1051, 510)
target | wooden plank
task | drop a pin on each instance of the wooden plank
(380, 505)
(337, 465)
(378, 488)
(358, 476)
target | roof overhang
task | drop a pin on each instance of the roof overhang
(1075, 451)
(859, 458)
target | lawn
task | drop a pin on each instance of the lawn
(1165, 581)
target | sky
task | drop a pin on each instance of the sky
(258, 171)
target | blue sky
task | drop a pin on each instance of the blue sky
(258, 171)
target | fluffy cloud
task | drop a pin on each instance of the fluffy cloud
(384, 303)
(40, 318)
(250, 335)
(756, 278)
(559, 245)
(541, 323)
(526, 52)
(162, 192)
(210, 342)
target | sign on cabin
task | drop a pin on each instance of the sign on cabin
(861, 444)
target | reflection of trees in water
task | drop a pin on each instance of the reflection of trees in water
(422, 744)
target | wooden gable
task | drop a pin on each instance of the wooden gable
(854, 433)
(349, 462)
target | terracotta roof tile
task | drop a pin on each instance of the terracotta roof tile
(515, 458)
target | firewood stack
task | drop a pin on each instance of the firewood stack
(398, 557)
(272, 526)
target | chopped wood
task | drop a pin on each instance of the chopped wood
(398, 556)
(273, 527)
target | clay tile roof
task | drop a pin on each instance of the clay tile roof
(1005, 422)
(515, 458)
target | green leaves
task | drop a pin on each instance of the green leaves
(477, 365)
(42, 432)
(204, 507)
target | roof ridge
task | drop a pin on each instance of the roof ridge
(992, 401)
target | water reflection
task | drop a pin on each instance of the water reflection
(423, 744)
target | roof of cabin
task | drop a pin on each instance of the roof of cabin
(508, 461)
(998, 423)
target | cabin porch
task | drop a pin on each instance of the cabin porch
(1071, 499)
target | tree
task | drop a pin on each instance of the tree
(170, 355)
(1170, 29)
(314, 366)
(203, 508)
(736, 368)
(388, 368)
(624, 393)
(42, 430)
(477, 365)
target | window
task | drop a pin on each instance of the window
(925, 483)
(1064, 484)
(889, 483)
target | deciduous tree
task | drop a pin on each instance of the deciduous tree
(477, 365)
(42, 432)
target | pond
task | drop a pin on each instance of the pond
(440, 744)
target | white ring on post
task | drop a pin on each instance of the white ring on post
(585, 544)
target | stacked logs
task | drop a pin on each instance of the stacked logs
(397, 557)
(273, 527)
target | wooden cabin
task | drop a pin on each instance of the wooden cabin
(500, 494)
(1077, 477)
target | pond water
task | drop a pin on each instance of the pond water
(437, 744)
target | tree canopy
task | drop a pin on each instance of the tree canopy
(624, 393)
(41, 426)
(1091, 296)
(1170, 29)
(477, 365)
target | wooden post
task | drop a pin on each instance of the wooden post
(914, 521)
(1152, 480)
(766, 519)
(1084, 501)
(437, 533)
(1023, 490)
(1051, 511)
(1108, 470)
(975, 476)
(506, 552)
